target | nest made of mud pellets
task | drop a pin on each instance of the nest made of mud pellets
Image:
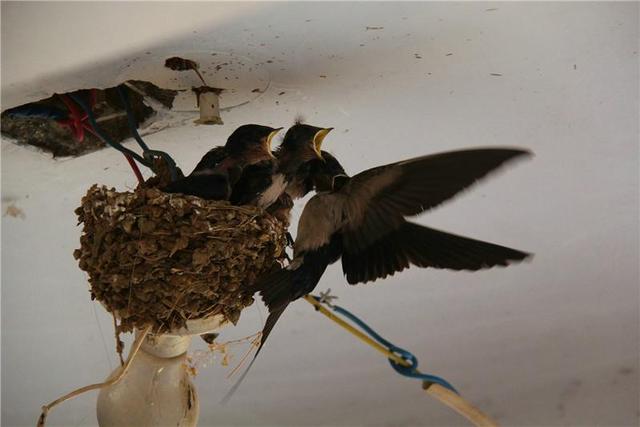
(161, 259)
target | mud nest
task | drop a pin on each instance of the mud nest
(161, 259)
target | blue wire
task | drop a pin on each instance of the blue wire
(78, 100)
(39, 111)
(147, 152)
(124, 97)
(408, 371)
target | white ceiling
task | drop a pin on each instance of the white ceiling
(551, 342)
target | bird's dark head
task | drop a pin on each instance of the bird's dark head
(251, 143)
(304, 141)
(328, 174)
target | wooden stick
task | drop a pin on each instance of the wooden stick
(461, 406)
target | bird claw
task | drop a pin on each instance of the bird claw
(290, 240)
(326, 298)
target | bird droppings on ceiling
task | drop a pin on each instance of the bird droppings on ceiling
(57, 125)
(14, 211)
(235, 75)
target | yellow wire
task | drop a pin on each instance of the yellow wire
(359, 334)
(444, 395)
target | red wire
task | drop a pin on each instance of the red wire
(134, 166)
(77, 123)
(130, 159)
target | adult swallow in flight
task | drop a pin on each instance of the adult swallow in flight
(361, 220)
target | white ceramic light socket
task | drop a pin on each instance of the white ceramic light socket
(209, 104)
(156, 391)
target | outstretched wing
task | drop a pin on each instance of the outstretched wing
(378, 199)
(413, 244)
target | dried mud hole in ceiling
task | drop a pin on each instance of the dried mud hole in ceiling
(42, 124)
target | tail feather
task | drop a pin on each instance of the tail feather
(266, 330)
(282, 286)
(275, 289)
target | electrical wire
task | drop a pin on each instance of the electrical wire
(97, 131)
(403, 362)
(147, 152)
(78, 100)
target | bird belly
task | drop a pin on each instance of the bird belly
(273, 192)
(320, 219)
(296, 189)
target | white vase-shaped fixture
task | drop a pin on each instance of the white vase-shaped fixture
(156, 390)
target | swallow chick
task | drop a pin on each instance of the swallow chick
(321, 173)
(300, 155)
(301, 152)
(221, 167)
(264, 183)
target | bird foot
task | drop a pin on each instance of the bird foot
(289, 238)
(326, 297)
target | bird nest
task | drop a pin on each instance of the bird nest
(161, 259)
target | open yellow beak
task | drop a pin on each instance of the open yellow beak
(317, 140)
(268, 142)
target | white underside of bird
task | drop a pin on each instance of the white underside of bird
(273, 192)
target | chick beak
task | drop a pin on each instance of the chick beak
(268, 142)
(317, 140)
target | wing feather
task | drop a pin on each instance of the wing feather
(211, 159)
(424, 247)
(380, 198)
